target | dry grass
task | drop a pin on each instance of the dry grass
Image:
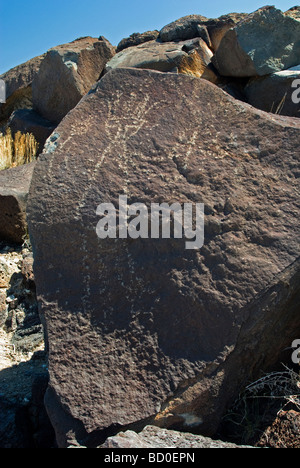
(17, 150)
(260, 403)
(280, 106)
(284, 386)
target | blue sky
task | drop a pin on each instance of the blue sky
(29, 28)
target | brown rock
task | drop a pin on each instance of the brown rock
(67, 73)
(22, 75)
(191, 26)
(284, 432)
(18, 82)
(184, 28)
(27, 269)
(145, 329)
(136, 39)
(189, 57)
(217, 28)
(14, 187)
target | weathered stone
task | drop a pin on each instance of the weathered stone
(145, 329)
(3, 308)
(189, 57)
(18, 82)
(28, 121)
(182, 29)
(210, 30)
(273, 312)
(284, 432)
(67, 73)
(266, 41)
(20, 99)
(27, 269)
(22, 75)
(218, 27)
(294, 12)
(136, 39)
(7, 268)
(14, 187)
(154, 437)
(275, 93)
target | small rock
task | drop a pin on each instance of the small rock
(12, 302)
(155, 437)
(14, 187)
(136, 39)
(3, 307)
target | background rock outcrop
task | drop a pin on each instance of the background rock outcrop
(144, 337)
(189, 57)
(145, 330)
(264, 42)
(67, 73)
(40, 92)
(18, 82)
(136, 39)
(210, 30)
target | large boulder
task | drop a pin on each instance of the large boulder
(22, 75)
(136, 39)
(266, 41)
(14, 188)
(147, 329)
(189, 57)
(183, 28)
(67, 73)
(275, 93)
(211, 30)
(18, 82)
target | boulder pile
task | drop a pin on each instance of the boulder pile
(47, 87)
(141, 331)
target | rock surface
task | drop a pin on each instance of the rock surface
(294, 12)
(144, 329)
(14, 188)
(210, 30)
(154, 437)
(23, 364)
(136, 39)
(284, 432)
(274, 93)
(18, 82)
(266, 41)
(67, 73)
(191, 57)
(28, 121)
(22, 75)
